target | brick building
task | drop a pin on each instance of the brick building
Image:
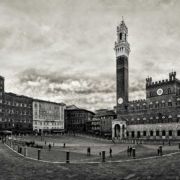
(17, 113)
(76, 119)
(101, 123)
(22, 114)
(1, 101)
(106, 118)
(157, 116)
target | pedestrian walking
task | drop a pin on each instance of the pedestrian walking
(134, 153)
(158, 151)
(110, 152)
(49, 147)
(130, 151)
(88, 151)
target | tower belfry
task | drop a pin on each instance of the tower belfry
(122, 50)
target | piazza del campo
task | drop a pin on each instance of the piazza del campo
(71, 120)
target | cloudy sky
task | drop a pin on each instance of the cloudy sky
(62, 50)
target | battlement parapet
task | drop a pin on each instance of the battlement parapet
(172, 78)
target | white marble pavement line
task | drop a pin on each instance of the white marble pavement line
(97, 162)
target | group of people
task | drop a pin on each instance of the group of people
(131, 151)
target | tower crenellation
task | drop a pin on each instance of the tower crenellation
(150, 83)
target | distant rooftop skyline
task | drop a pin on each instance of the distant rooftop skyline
(62, 50)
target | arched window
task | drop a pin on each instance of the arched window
(132, 134)
(178, 101)
(120, 36)
(151, 119)
(157, 104)
(137, 106)
(170, 132)
(127, 134)
(151, 133)
(178, 118)
(157, 133)
(144, 106)
(169, 102)
(150, 105)
(125, 37)
(178, 132)
(169, 91)
(163, 133)
(163, 103)
(138, 134)
(169, 118)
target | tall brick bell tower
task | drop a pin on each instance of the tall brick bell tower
(122, 50)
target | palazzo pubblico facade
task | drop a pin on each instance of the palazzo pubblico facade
(157, 116)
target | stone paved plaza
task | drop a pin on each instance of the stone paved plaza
(15, 166)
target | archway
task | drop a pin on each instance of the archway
(117, 130)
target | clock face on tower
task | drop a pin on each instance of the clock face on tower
(120, 100)
(159, 92)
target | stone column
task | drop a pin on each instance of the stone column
(148, 134)
(167, 134)
(135, 134)
(174, 134)
(113, 132)
(125, 132)
(141, 134)
(154, 134)
(121, 132)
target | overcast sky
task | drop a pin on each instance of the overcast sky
(62, 50)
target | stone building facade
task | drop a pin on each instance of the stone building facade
(1, 101)
(76, 119)
(17, 113)
(22, 114)
(48, 116)
(157, 116)
(101, 123)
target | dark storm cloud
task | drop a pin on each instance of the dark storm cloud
(137, 86)
(83, 89)
(54, 82)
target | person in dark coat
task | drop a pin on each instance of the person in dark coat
(130, 151)
(110, 152)
(49, 147)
